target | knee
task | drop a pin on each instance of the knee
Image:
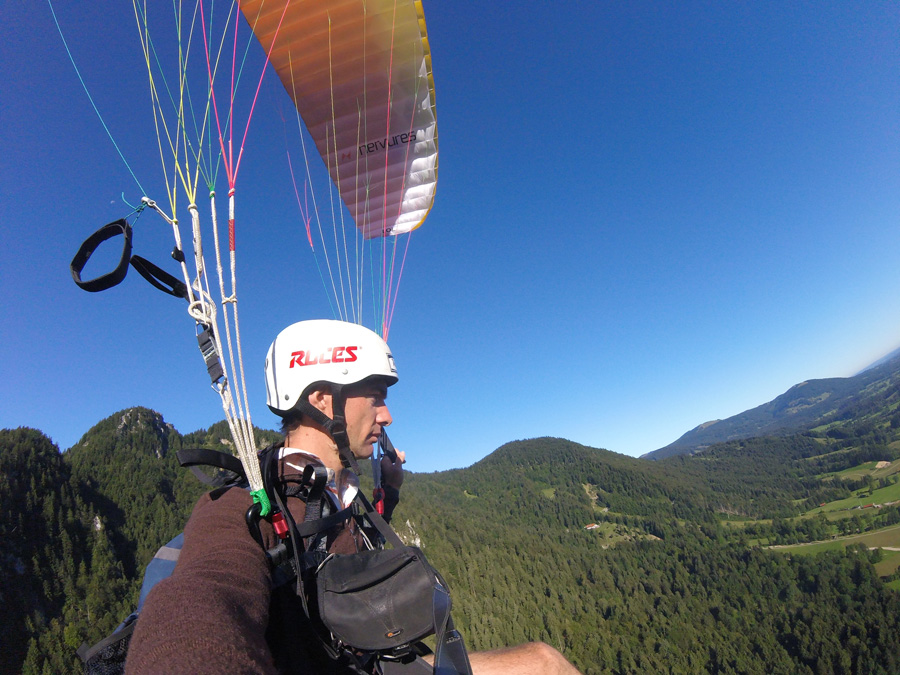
(549, 658)
(532, 658)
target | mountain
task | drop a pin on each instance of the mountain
(883, 359)
(813, 404)
(79, 528)
(624, 565)
(43, 537)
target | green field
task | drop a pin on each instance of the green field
(607, 534)
(856, 471)
(867, 469)
(741, 524)
(891, 493)
(832, 516)
(889, 536)
(889, 564)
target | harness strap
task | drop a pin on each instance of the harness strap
(117, 642)
(311, 527)
(377, 520)
(159, 277)
(315, 478)
(90, 245)
(450, 656)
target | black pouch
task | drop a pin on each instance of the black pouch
(380, 600)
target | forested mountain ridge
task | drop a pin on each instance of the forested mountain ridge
(804, 406)
(657, 585)
(45, 535)
(127, 466)
(78, 529)
(660, 585)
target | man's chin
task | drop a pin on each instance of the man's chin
(365, 452)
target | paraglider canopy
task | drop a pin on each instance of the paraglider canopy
(360, 76)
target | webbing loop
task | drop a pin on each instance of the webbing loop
(159, 278)
(90, 245)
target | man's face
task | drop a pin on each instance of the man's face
(366, 413)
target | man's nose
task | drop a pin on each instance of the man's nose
(384, 416)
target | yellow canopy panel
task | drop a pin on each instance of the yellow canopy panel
(359, 72)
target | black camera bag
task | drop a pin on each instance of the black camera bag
(377, 600)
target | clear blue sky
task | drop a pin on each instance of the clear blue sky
(649, 215)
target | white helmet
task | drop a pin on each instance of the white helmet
(323, 351)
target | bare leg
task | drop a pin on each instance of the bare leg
(537, 658)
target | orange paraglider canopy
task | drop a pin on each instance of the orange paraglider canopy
(359, 73)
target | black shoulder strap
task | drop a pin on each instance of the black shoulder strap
(378, 521)
(450, 655)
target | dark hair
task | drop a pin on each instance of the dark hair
(290, 421)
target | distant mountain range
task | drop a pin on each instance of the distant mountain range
(805, 406)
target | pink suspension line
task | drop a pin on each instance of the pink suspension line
(390, 317)
(304, 205)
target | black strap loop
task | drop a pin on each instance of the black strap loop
(311, 527)
(206, 457)
(90, 245)
(231, 474)
(388, 447)
(159, 278)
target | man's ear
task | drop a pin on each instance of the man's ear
(321, 400)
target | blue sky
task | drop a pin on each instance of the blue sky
(648, 216)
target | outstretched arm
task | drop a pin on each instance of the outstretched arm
(211, 614)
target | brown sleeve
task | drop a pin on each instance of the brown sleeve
(211, 615)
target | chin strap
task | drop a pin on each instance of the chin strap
(335, 427)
